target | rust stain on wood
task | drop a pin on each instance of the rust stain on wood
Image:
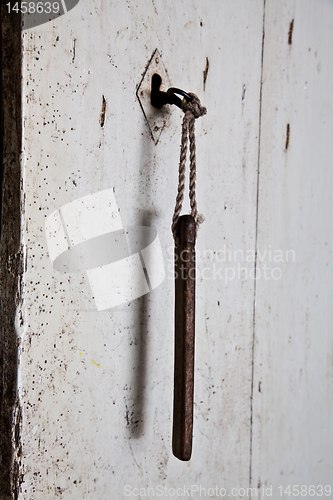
(102, 120)
(290, 33)
(287, 136)
(205, 73)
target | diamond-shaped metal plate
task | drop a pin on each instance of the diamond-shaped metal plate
(156, 118)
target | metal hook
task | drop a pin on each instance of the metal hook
(159, 98)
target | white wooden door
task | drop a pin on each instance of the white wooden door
(93, 414)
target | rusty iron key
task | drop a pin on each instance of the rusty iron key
(184, 230)
(184, 338)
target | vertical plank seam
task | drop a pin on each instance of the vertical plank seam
(256, 241)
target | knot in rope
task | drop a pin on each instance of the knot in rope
(192, 110)
(194, 106)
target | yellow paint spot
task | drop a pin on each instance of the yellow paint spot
(96, 364)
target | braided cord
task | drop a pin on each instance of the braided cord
(192, 110)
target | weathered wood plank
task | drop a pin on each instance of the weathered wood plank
(293, 405)
(96, 387)
(11, 257)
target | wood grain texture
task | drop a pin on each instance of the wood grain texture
(184, 338)
(11, 255)
(293, 384)
(96, 387)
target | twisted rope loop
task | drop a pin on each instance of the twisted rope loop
(192, 110)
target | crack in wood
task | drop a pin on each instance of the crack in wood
(290, 32)
(205, 73)
(287, 136)
(102, 120)
(74, 50)
(256, 240)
